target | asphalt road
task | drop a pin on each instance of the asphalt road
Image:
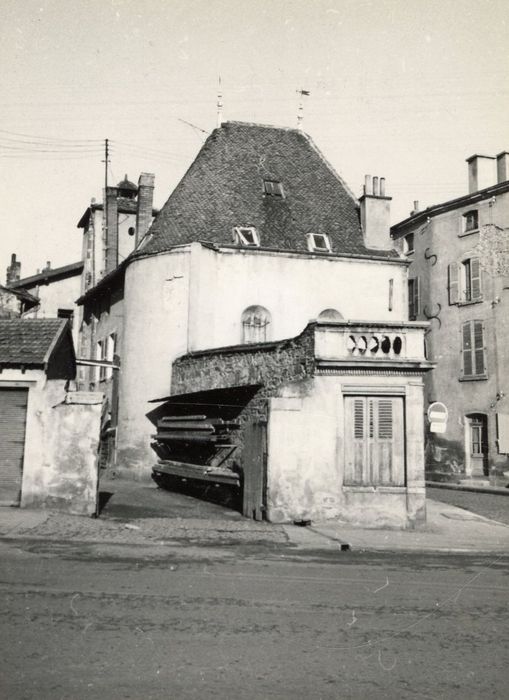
(111, 622)
(488, 505)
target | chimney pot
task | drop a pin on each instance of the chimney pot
(382, 187)
(367, 184)
(13, 271)
(375, 186)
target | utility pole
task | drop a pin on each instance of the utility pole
(106, 162)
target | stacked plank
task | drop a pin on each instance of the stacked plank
(195, 447)
(193, 429)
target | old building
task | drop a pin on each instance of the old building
(260, 237)
(48, 433)
(56, 290)
(459, 281)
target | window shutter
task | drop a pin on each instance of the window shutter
(416, 296)
(467, 349)
(478, 327)
(453, 283)
(475, 272)
(385, 419)
(358, 419)
(503, 432)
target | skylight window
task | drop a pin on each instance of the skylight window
(273, 188)
(246, 236)
(318, 243)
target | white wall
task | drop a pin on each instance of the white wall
(192, 298)
(294, 288)
(59, 294)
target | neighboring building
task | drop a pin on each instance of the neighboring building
(15, 303)
(56, 290)
(48, 434)
(260, 237)
(459, 281)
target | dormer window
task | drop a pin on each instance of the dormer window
(470, 221)
(273, 188)
(318, 243)
(246, 236)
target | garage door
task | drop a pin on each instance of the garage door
(13, 410)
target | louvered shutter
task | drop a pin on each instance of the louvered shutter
(475, 273)
(467, 349)
(358, 425)
(478, 328)
(385, 419)
(13, 409)
(415, 300)
(453, 283)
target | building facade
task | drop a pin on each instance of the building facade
(260, 237)
(459, 282)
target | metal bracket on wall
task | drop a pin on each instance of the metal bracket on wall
(435, 316)
(430, 256)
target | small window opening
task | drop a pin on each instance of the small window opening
(255, 324)
(131, 230)
(247, 236)
(471, 221)
(318, 242)
(273, 188)
(408, 243)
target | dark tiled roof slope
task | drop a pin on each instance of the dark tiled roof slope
(223, 188)
(71, 270)
(28, 341)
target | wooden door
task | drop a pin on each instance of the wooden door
(13, 409)
(374, 441)
(254, 461)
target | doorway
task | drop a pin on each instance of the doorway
(476, 426)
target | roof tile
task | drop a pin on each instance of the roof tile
(27, 341)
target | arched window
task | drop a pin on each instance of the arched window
(255, 323)
(330, 315)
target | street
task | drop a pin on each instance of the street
(119, 621)
(489, 505)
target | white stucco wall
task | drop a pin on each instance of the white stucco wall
(58, 294)
(306, 455)
(192, 298)
(61, 439)
(294, 288)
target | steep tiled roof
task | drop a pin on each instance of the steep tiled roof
(29, 341)
(224, 188)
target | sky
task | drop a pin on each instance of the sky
(402, 89)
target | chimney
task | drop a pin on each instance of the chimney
(502, 166)
(111, 214)
(481, 172)
(48, 266)
(144, 205)
(375, 214)
(13, 271)
(416, 207)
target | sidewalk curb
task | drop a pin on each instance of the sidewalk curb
(494, 490)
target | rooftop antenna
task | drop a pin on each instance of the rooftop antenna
(300, 111)
(219, 105)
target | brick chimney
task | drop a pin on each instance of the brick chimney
(13, 271)
(111, 215)
(481, 172)
(144, 204)
(376, 214)
(502, 166)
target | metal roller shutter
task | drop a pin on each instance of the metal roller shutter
(13, 410)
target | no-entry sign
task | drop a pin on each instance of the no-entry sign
(437, 416)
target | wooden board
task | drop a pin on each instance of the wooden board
(197, 471)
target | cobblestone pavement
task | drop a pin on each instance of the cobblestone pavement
(488, 505)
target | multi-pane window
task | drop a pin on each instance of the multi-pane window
(374, 441)
(413, 298)
(255, 324)
(473, 349)
(465, 283)
(470, 221)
